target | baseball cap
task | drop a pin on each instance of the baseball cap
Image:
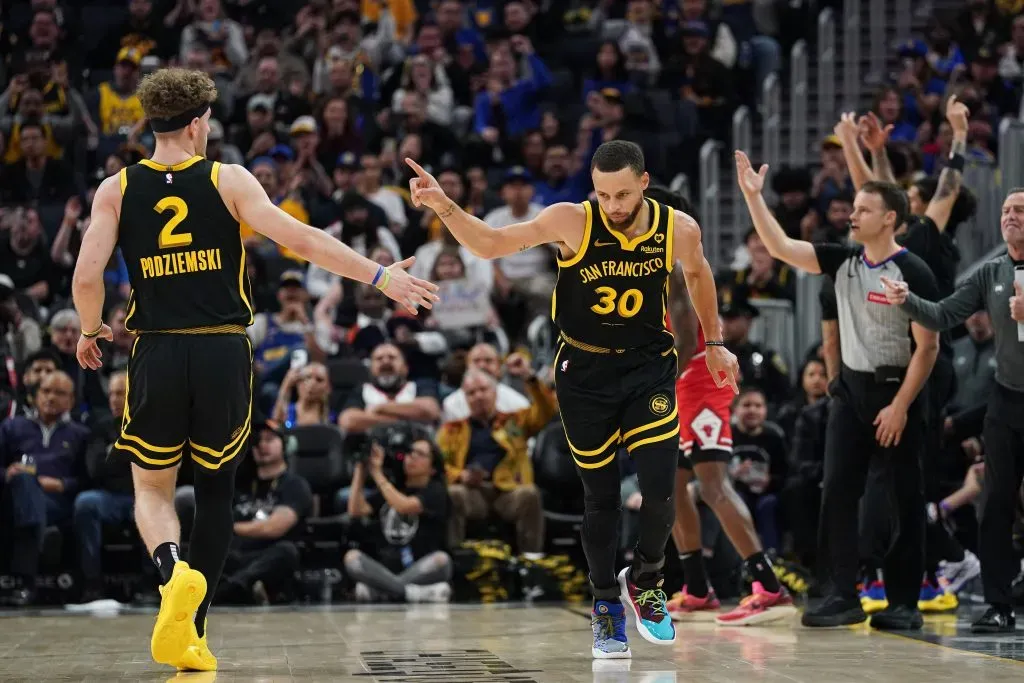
(613, 95)
(831, 141)
(264, 424)
(291, 278)
(216, 131)
(129, 54)
(347, 161)
(303, 125)
(260, 101)
(282, 151)
(517, 174)
(696, 28)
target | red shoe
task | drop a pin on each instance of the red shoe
(683, 604)
(760, 607)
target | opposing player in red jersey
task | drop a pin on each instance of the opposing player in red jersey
(705, 448)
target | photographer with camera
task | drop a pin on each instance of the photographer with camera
(409, 562)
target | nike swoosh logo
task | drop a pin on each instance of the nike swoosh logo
(604, 244)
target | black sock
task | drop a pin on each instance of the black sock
(695, 577)
(760, 568)
(164, 557)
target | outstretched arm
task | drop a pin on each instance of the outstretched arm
(846, 131)
(249, 204)
(559, 223)
(941, 315)
(796, 253)
(700, 282)
(941, 205)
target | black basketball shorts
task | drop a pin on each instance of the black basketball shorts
(613, 400)
(187, 393)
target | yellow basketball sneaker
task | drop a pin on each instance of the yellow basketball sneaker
(198, 656)
(174, 630)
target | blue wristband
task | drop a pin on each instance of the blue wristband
(376, 278)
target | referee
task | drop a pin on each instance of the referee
(991, 288)
(875, 411)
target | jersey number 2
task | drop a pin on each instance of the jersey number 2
(168, 239)
(628, 304)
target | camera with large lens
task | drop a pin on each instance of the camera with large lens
(395, 439)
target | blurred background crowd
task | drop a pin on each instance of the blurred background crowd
(505, 102)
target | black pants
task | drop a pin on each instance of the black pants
(610, 401)
(850, 450)
(1004, 468)
(274, 565)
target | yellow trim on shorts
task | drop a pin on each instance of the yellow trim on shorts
(126, 420)
(212, 329)
(654, 439)
(597, 451)
(122, 177)
(149, 461)
(674, 415)
(595, 465)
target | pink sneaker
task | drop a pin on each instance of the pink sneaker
(760, 607)
(683, 604)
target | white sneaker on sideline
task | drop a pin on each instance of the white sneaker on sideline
(959, 573)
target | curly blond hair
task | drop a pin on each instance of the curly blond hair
(169, 92)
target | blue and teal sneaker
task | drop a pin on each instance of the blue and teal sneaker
(609, 623)
(650, 607)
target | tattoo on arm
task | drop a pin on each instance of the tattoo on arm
(882, 166)
(950, 179)
(446, 213)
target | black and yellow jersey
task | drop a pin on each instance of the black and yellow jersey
(183, 249)
(613, 294)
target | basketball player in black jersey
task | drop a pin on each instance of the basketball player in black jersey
(615, 368)
(176, 218)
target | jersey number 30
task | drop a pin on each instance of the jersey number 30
(168, 239)
(628, 304)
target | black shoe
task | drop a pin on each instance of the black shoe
(898, 618)
(835, 611)
(995, 620)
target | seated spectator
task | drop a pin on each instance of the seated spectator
(509, 108)
(20, 333)
(488, 467)
(758, 466)
(978, 26)
(760, 367)
(559, 182)
(406, 560)
(37, 366)
(263, 556)
(836, 227)
(312, 386)
(420, 75)
(793, 187)
(610, 71)
(369, 184)
(256, 136)
(764, 278)
(389, 396)
(888, 106)
(485, 358)
(275, 336)
(43, 459)
(110, 498)
(340, 132)
(114, 105)
(813, 387)
(1011, 66)
(65, 329)
(921, 87)
(25, 106)
(35, 177)
(223, 37)
(464, 306)
(698, 77)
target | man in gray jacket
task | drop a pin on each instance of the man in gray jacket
(992, 287)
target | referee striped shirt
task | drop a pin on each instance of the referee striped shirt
(872, 332)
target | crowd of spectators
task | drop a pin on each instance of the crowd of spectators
(504, 102)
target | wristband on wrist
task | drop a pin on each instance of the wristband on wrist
(385, 279)
(714, 343)
(94, 333)
(956, 162)
(378, 276)
(944, 507)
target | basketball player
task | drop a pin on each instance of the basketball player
(176, 218)
(705, 448)
(615, 366)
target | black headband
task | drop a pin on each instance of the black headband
(180, 121)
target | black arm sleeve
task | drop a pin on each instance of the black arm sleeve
(831, 256)
(827, 300)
